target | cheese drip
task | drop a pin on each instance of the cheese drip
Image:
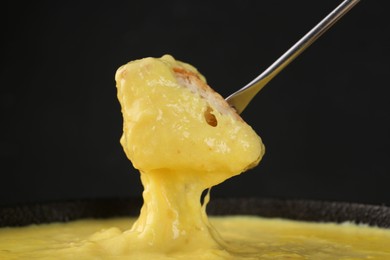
(183, 138)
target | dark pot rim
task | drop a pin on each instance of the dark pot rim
(294, 209)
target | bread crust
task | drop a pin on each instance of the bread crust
(192, 81)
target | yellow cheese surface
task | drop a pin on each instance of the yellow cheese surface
(184, 139)
(246, 238)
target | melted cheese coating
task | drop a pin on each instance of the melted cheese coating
(168, 136)
(164, 124)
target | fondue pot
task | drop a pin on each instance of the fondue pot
(305, 210)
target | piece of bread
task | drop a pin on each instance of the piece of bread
(173, 120)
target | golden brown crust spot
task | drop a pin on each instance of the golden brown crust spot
(210, 117)
(193, 81)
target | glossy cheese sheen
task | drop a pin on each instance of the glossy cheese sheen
(183, 138)
(165, 126)
(246, 237)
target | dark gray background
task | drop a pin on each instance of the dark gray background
(325, 120)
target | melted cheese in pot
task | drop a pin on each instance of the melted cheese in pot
(184, 139)
(246, 238)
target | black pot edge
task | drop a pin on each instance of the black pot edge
(294, 209)
(305, 210)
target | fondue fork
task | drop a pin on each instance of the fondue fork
(241, 98)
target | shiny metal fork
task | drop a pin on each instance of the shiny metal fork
(241, 98)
